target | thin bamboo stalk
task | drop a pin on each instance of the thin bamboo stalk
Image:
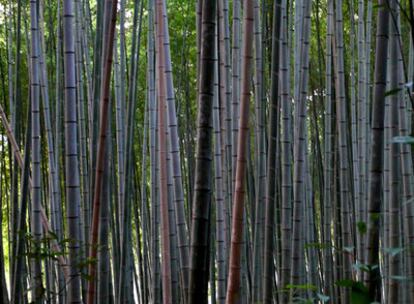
(221, 237)
(286, 147)
(100, 159)
(174, 150)
(270, 202)
(394, 206)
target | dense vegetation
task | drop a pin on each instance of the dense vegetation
(206, 152)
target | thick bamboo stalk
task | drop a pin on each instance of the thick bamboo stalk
(36, 228)
(162, 157)
(233, 288)
(202, 192)
(376, 158)
(407, 182)
(342, 127)
(297, 273)
(71, 153)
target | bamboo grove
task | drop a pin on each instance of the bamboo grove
(215, 151)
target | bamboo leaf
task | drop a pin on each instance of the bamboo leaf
(323, 297)
(362, 227)
(403, 140)
(394, 251)
(392, 92)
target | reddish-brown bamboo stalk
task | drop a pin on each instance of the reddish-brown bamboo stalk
(165, 224)
(237, 223)
(100, 160)
(162, 156)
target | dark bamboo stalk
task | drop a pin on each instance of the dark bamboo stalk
(376, 159)
(202, 191)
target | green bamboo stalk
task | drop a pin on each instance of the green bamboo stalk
(270, 203)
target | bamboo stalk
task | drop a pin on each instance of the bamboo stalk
(100, 159)
(233, 288)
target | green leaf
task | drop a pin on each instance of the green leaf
(392, 92)
(359, 292)
(375, 216)
(375, 6)
(322, 297)
(361, 267)
(394, 251)
(362, 227)
(302, 287)
(360, 298)
(345, 283)
(317, 245)
(349, 249)
(400, 278)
